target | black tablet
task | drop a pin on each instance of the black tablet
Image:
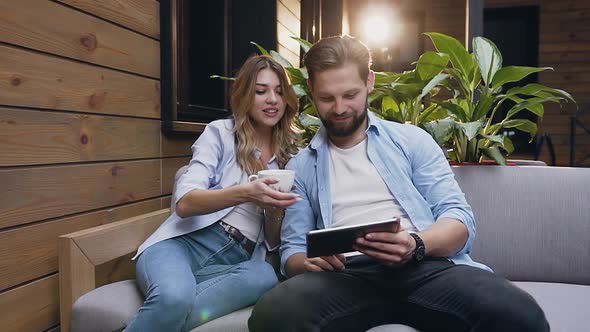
(336, 240)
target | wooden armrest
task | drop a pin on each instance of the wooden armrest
(80, 252)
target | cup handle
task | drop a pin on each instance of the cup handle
(252, 177)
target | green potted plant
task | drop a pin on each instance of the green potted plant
(476, 94)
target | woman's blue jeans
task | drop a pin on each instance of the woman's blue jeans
(192, 279)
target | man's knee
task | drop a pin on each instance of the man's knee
(517, 312)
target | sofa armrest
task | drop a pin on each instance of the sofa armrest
(81, 252)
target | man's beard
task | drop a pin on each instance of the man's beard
(349, 128)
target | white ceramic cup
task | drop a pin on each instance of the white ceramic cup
(286, 178)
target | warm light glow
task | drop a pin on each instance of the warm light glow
(381, 29)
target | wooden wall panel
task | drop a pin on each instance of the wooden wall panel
(30, 252)
(31, 308)
(289, 24)
(34, 80)
(290, 20)
(140, 15)
(293, 5)
(169, 168)
(32, 137)
(51, 27)
(80, 138)
(177, 145)
(33, 194)
(565, 46)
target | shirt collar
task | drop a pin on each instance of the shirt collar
(258, 153)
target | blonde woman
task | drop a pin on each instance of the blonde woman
(207, 258)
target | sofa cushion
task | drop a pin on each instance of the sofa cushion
(110, 307)
(532, 221)
(107, 308)
(566, 306)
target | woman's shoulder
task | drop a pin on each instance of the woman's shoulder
(222, 125)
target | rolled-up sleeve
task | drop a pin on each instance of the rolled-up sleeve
(207, 152)
(299, 219)
(434, 179)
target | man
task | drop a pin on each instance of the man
(359, 168)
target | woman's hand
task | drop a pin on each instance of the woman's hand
(260, 193)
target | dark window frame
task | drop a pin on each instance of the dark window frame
(180, 112)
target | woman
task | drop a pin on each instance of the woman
(207, 259)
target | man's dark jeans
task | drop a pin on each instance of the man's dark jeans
(433, 295)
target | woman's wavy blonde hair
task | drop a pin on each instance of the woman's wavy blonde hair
(284, 135)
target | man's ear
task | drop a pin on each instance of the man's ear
(309, 85)
(371, 81)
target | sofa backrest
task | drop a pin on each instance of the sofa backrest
(532, 221)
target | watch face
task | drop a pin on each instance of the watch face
(419, 253)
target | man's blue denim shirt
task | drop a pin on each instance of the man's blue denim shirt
(413, 167)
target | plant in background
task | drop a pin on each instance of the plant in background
(406, 97)
(476, 84)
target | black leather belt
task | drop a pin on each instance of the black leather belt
(239, 237)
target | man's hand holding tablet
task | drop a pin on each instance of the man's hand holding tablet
(338, 240)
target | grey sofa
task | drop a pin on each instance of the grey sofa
(532, 227)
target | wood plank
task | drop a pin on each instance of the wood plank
(76, 278)
(169, 168)
(118, 269)
(30, 79)
(292, 5)
(553, 77)
(509, 3)
(563, 5)
(549, 59)
(123, 238)
(60, 30)
(284, 38)
(33, 194)
(177, 145)
(32, 307)
(288, 19)
(30, 137)
(565, 46)
(289, 55)
(140, 15)
(31, 252)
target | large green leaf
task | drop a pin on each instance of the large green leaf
(310, 109)
(539, 90)
(494, 154)
(460, 58)
(522, 125)
(385, 78)
(296, 76)
(432, 113)
(376, 94)
(305, 45)
(390, 109)
(260, 48)
(455, 110)
(299, 90)
(275, 55)
(508, 146)
(440, 130)
(470, 129)
(433, 82)
(409, 90)
(488, 58)
(534, 105)
(431, 64)
(483, 107)
(309, 120)
(225, 78)
(514, 74)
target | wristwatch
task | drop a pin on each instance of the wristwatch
(420, 250)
